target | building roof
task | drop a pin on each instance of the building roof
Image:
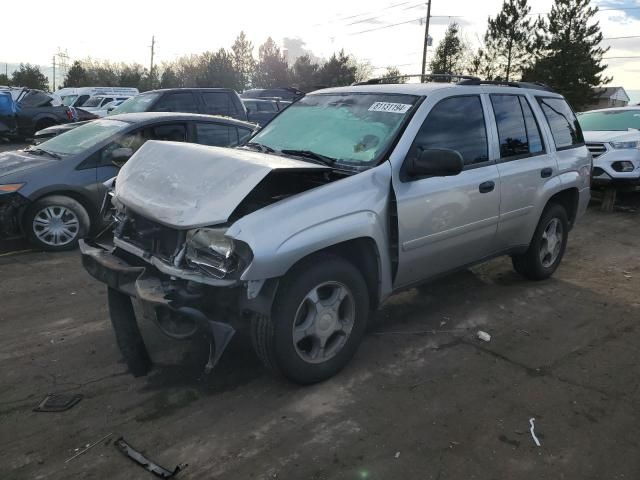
(617, 93)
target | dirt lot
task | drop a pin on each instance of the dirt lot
(437, 405)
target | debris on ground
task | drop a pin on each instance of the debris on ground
(533, 433)
(88, 447)
(484, 336)
(144, 462)
(397, 455)
(58, 402)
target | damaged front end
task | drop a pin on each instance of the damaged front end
(171, 250)
(12, 205)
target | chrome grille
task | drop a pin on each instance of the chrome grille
(596, 149)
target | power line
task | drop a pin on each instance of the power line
(620, 38)
(612, 58)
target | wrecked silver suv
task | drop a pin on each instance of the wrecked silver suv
(346, 197)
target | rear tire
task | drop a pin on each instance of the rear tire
(547, 247)
(318, 319)
(128, 337)
(56, 223)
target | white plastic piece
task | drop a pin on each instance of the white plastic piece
(533, 433)
(484, 336)
(397, 455)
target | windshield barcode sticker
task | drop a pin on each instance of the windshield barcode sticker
(390, 107)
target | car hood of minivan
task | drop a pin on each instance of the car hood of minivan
(183, 185)
(19, 161)
(611, 135)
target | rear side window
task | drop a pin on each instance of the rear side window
(267, 107)
(171, 132)
(177, 102)
(517, 128)
(218, 103)
(217, 135)
(562, 121)
(456, 123)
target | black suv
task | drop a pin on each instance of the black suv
(212, 101)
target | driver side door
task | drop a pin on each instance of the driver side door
(446, 222)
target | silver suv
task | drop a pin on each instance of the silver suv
(347, 196)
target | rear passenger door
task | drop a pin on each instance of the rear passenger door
(526, 167)
(219, 103)
(448, 222)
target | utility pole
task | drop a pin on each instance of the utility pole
(426, 40)
(153, 44)
(54, 74)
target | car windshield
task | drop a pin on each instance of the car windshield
(610, 120)
(139, 103)
(92, 102)
(351, 128)
(68, 100)
(81, 138)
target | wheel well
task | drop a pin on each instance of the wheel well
(569, 200)
(363, 253)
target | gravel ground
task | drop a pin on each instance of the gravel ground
(433, 405)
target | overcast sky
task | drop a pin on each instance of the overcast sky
(121, 30)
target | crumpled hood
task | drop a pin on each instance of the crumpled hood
(19, 161)
(184, 185)
(611, 136)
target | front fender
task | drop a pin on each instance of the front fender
(284, 233)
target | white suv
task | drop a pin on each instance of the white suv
(613, 138)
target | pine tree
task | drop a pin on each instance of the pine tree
(394, 75)
(450, 53)
(272, 69)
(76, 76)
(305, 72)
(570, 59)
(338, 71)
(29, 76)
(217, 70)
(243, 61)
(511, 36)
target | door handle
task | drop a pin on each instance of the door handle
(486, 187)
(546, 172)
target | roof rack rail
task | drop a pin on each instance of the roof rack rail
(427, 77)
(531, 85)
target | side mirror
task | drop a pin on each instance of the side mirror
(119, 156)
(436, 162)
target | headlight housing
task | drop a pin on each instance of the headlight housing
(625, 145)
(210, 251)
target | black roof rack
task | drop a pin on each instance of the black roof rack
(467, 80)
(531, 85)
(427, 77)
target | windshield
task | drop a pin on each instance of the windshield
(611, 120)
(139, 103)
(68, 100)
(354, 129)
(80, 138)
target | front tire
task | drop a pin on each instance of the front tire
(547, 247)
(56, 223)
(318, 319)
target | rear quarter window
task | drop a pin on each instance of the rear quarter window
(563, 123)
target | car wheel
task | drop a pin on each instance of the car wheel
(318, 319)
(56, 223)
(547, 246)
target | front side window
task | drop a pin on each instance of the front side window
(216, 135)
(517, 129)
(93, 102)
(177, 102)
(610, 120)
(68, 100)
(564, 126)
(353, 129)
(456, 123)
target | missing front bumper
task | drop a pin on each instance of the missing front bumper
(136, 281)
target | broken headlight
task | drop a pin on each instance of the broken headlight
(209, 250)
